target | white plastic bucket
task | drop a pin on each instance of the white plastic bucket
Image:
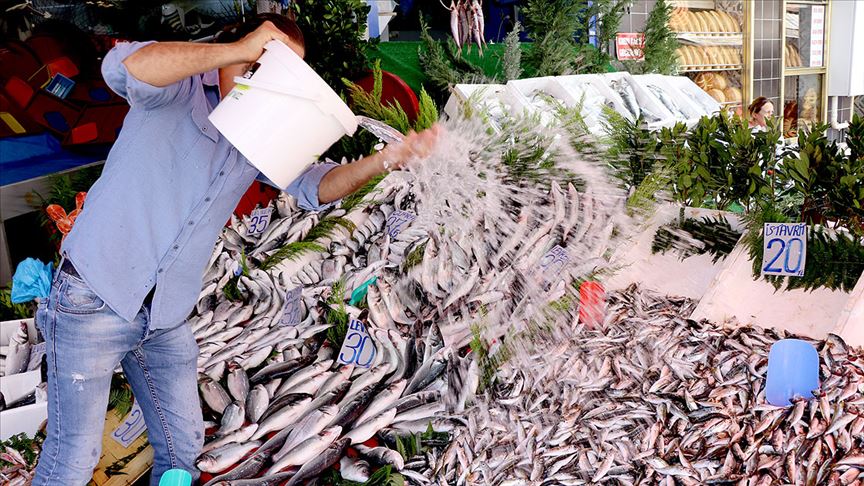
(284, 116)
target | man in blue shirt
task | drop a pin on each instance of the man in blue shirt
(133, 263)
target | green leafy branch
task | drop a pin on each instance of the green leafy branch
(311, 243)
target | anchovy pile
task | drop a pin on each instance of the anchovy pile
(656, 398)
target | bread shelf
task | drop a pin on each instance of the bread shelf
(706, 68)
(803, 70)
(712, 38)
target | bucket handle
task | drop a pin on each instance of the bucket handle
(277, 88)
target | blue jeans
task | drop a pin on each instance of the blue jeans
(85, 340)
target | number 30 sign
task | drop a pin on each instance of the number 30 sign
(785, 249)
(357, 348)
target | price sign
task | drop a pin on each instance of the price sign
(259, 220)
(785, 249)
(630, 46)
(291, 310)
(397, 220)
(357, 348)
(817, 35)
(130, 428)
(551, 265)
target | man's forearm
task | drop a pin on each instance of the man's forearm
(345, 179)
(164, 63)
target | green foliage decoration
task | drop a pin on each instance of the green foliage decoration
(334, 31)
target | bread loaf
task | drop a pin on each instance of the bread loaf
(732, 94)
(719, 81)
(728, 22)
(714, 22)
(713, 55)
(717, 95)
(702, 20)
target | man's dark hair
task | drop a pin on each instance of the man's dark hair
(238, 31)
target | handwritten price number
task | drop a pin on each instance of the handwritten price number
(396, 220)
(291, 313)
(550, 265)
(554, 260)
(792, 249)
(786, 250)
(358, 341)
(131, 427)
(259, 221)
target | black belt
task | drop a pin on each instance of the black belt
(69, 269)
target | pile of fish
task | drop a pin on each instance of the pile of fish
(655, 398)
(15, 468)
(284, 379)
(625, 90)
(442, 276)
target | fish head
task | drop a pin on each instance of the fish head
(205, 462)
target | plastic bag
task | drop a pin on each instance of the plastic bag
(32, 280)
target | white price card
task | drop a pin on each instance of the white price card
(131, 427)
(397, 220)
(785, 249)
(259, 220)
(357, 348)
(291, 310)
(551, 265)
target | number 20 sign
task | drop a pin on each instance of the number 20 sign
(785, 249)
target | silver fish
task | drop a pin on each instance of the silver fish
(218, 460)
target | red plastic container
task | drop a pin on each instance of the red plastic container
(592, 304)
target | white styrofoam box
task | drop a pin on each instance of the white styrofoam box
(645, 99)
(14, 387)
(9, 328)
(523, 92)
(689, 110)
(666, 272)
(580, 85)
(25, 419)
(492, 98)
(735, 294)
(689, 90)
(850, 324)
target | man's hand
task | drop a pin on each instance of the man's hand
(251, 47)
(345, 179)
(413, 146)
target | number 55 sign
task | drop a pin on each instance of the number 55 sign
(785, 249)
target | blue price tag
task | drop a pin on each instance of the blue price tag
(397, 221)
(357, 348)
